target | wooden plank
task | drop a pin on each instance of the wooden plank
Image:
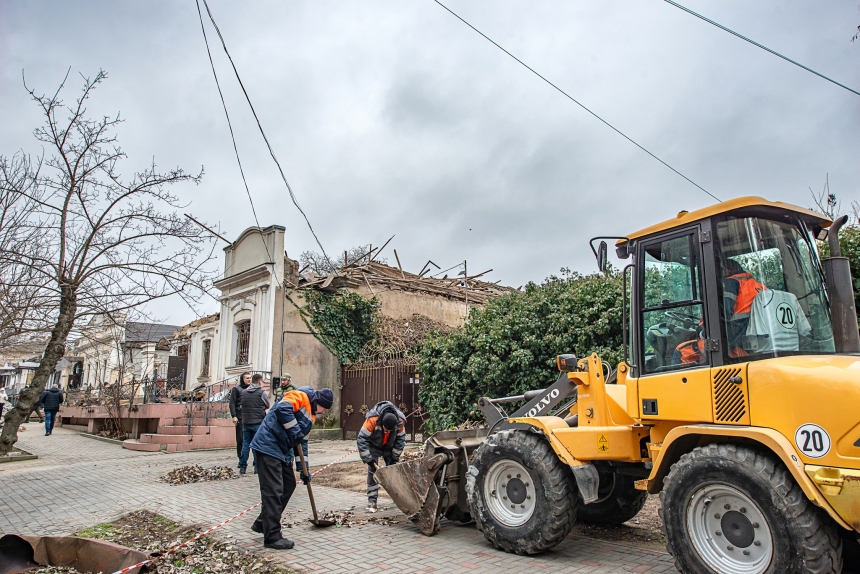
(399, 266)
(383, 247)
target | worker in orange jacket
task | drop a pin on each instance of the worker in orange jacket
(382, 435)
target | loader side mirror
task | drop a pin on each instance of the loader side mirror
(601, 257)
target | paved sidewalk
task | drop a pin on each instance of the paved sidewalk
(80, 481)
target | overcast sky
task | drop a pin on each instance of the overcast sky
(395, 118)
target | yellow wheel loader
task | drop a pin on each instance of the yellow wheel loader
(738, 400)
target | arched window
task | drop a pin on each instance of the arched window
(243, 342)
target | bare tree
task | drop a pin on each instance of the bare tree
(25, 307)
(110, 242)
(321, 265)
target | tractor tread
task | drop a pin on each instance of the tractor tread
(559, 490)
(816, 541)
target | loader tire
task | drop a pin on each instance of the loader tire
(618, 500)
(729, 508)
(519, 468)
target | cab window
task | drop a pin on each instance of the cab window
(773, 300)
(672, 310)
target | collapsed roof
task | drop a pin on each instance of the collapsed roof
(380, 277)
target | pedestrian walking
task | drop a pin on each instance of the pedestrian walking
(285, 429)
(51, 400)
(382, 435)
(255, 404)
(285, 386)
(236, 409)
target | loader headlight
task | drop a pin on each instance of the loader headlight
(566, 363)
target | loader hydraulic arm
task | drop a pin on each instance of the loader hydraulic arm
(540, 402)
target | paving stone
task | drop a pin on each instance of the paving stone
(78, 482)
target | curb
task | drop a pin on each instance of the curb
(18, 458)
(101, 438)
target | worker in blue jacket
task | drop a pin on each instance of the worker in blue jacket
(284, 429)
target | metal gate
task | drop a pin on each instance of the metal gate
(365, 384)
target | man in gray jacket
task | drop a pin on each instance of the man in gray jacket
(255, 405)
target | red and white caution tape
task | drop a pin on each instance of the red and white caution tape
(219, 525)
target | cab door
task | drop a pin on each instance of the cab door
(675, 380)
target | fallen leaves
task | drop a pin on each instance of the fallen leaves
(196, 473)
(152, 533)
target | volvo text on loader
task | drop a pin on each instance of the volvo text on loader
(738, 400)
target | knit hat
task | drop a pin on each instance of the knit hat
(287, 376)
(325, 398)
(389, 421)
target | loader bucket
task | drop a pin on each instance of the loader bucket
(412, 487)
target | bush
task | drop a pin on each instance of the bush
(509, 346)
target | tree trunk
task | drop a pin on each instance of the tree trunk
(53, 353)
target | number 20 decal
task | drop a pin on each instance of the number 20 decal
(812, 440)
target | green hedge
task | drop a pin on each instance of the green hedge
(509, 346)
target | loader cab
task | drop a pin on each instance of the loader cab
(737, 282)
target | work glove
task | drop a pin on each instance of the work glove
(306, 478)
(373, 466)
(296, 435)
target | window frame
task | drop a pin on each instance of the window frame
(238, 350)
(205, 354)
(695, 235)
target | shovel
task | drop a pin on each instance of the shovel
(316, 521)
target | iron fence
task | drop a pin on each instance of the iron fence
(213, 401)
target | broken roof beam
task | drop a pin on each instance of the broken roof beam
(399, 266)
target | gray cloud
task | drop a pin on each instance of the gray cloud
(392, 117)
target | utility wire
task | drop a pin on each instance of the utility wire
(754, 43)
(574, 100)
(232, 136)
(259, 125)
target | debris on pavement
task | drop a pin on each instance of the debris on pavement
(196, 473)
(345, 518)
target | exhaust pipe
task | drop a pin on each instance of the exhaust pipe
(840, 290)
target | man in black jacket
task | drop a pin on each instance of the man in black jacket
(236, 408)
(255, 404)
(51, 400)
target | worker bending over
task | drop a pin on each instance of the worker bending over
(285, 428)
(383, 435)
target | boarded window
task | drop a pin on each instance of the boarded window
(207, 347)
(243, 342)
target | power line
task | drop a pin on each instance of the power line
(574, 100)
(232, 136)
(259, 125)
(754, 43)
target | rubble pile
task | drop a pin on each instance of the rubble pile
(469, 425)
(412, 455)
(196, 473)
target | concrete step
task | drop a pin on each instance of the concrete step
(217, 435)
(176, 430)
(159, 439)
(203, 441)
(199, 421)
(133, 444)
